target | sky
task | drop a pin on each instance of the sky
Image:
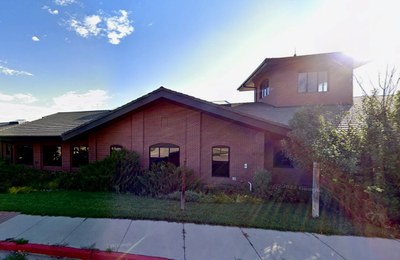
(71, 55)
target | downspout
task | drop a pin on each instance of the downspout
(250, 186)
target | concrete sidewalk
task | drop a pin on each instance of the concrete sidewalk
(192, 241)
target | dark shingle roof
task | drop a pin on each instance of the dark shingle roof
(6, 125)
(283, 115)
(53, 125)
(67, 125)
(183, 99)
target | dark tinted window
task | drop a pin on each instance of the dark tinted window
(24, 154)
(281, 160)
(220, 161)
(80, 155)
(168, 153)
(52, 155)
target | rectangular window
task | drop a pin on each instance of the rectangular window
(9, 149)
(24, 154)
(312, 82)
(322, 81)
(264, 92)
(80, 155)
(302, 82)
(220, 161)
(264, 88)
(168, 153)
(281, 160)
(52, 155)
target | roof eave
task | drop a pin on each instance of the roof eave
(246, 85)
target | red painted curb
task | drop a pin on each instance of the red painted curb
(63, 251)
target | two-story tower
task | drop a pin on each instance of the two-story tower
(318, 79)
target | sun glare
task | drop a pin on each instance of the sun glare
(380, 40)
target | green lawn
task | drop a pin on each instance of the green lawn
(279, 216)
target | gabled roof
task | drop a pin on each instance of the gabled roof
(66, 125)
(272, 63)
(53, 125)
(182, 99)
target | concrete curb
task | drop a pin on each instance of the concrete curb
(70, 252)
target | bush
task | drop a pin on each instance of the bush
(328, 202)
(64, 181)
(247, 199)
(127, 170)
(261, 183)
(14, 175)
(165, 178)
(229, 198)
(118, 172)
(190, 196)
(222, 198)
(289, 193)
(24, 189)
(96, 176)
(227, 188)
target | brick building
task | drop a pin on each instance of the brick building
(220, 143)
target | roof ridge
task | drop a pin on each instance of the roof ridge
(174, 96)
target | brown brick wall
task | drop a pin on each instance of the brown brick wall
(246, 147)
(283, 83)
(194, 132)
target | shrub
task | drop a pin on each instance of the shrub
(222, 198)
(261, 183)
(165, 178)
(64, 181)
(20, 175)
(118, 172)
(127, 170)
(96, 176)
(227, 188)
(247, 199)
(24, 189)
(289, 193)
(190, 196)
(5, 184)
(327, 202)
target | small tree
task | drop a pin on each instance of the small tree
(359, 153)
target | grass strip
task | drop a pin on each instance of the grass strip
(268, 215)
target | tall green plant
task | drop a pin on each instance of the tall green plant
(118, 172)
(165, 178)
(261, 183)
(360, 159)
(127, 170)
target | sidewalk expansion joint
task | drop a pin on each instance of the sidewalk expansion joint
(251, 244)
(326, 244)
(77, 226)
(31, 227)
(123, 238)
(184, 240)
